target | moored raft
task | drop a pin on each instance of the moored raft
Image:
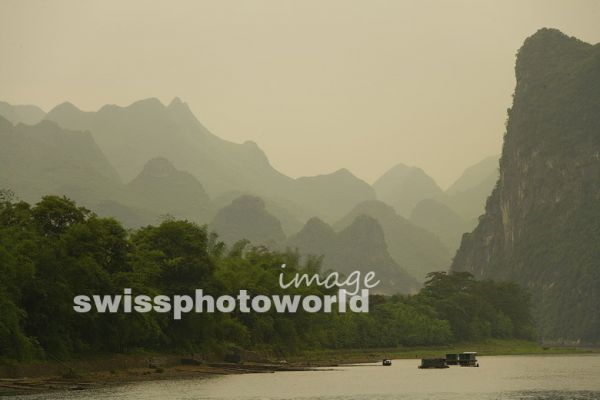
(468, 359)
(452, 359)
(465, 359)
(427, 363)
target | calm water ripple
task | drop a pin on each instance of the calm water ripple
(574, 377)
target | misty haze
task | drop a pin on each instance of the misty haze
(452, 148)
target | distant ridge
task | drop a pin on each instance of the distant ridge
(25, 114)
(416, 250)
(166, 190)
(247, 218)
(41, 159)
(146, 129)
(359, 246)
(403, 187)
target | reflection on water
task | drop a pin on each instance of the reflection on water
(506, 377)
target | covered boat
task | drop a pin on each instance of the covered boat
(468, 359)
(427, 363)
(452, 359)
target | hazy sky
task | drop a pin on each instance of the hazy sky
(319, 85)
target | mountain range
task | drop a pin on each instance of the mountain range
(147, 161)
(531, 216)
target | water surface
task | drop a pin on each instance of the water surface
(501, 377)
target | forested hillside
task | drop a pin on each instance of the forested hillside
(55, 250)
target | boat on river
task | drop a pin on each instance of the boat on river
(452, 359)
(468, 359)
(429, 363)
(464, 359)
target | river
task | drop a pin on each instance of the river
(498, 377)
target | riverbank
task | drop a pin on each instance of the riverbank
(487, 348)
(105, 371)
(111, 370)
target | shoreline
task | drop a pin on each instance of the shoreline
(497, 347)
(105, 371)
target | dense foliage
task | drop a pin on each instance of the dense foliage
(55, 250)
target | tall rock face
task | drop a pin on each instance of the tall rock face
(541, 227)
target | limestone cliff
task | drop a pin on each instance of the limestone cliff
(541, 227)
